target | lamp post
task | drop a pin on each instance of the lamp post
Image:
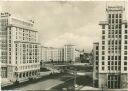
(75, 73)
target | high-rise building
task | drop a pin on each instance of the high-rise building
(113, 49)
(61, 54)
(69, 52)
(20, 48)
(65, 54)
(95, 63)
(49, 54)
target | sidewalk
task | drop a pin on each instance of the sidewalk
(88, 88)
(5, 82)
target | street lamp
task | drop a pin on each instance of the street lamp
(75, 73)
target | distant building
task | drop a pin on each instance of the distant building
(49, 54)
(64, 54)
(69, 53)
(54, 54)
(20, 48)
(61, 54)
(44, 53)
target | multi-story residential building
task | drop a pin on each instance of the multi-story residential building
(61, 54)
(95, 63)
(54, 54)
(20, 48)
(65, 54)
(3, 44)
(49, 54)
(69, 52)
(113, 49)
(43, 53)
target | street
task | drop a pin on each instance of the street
(45, 85)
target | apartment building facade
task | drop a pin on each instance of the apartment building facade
(64, 54)
(69, 53)
(95, 63)
(49, 54)
(113, 49)
(22, 57)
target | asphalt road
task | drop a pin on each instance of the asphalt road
(44, 85)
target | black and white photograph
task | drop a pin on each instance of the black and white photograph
(64, 45)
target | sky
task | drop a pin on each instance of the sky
(64, 22)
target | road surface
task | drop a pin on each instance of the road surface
(44, 85)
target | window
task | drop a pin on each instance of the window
(115, 67)
(108, 62)
(109, 15)
(126, 31)
(96, 63)
(102, 68)
(119, 62)
(108, 57)
(125, 47)
(97, 47)
(108, 67)
(116, 20)
(125, 68)
(97, 58)
(116, 15)
(103, 32)
(120, 15)
(112, 63)
(125, 42)
(103, 37)
(103, 26)
(115, 41)
(112, 22)
(103, 42)
(112, 58)
(9, 49)
(125, 57)
(115, 62)
(103, 58)
(119, 36)
(97, 52)
(125, 63)
(115, 57)
(119, 57)
(126, 26)
(126, 36)
(112, 15)
(103, 47)
(111, 67)
(102, 63)
(119, 31)
(103, 52)
(120, 20)
(125, 52)
(119, 26)
(96, 68)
